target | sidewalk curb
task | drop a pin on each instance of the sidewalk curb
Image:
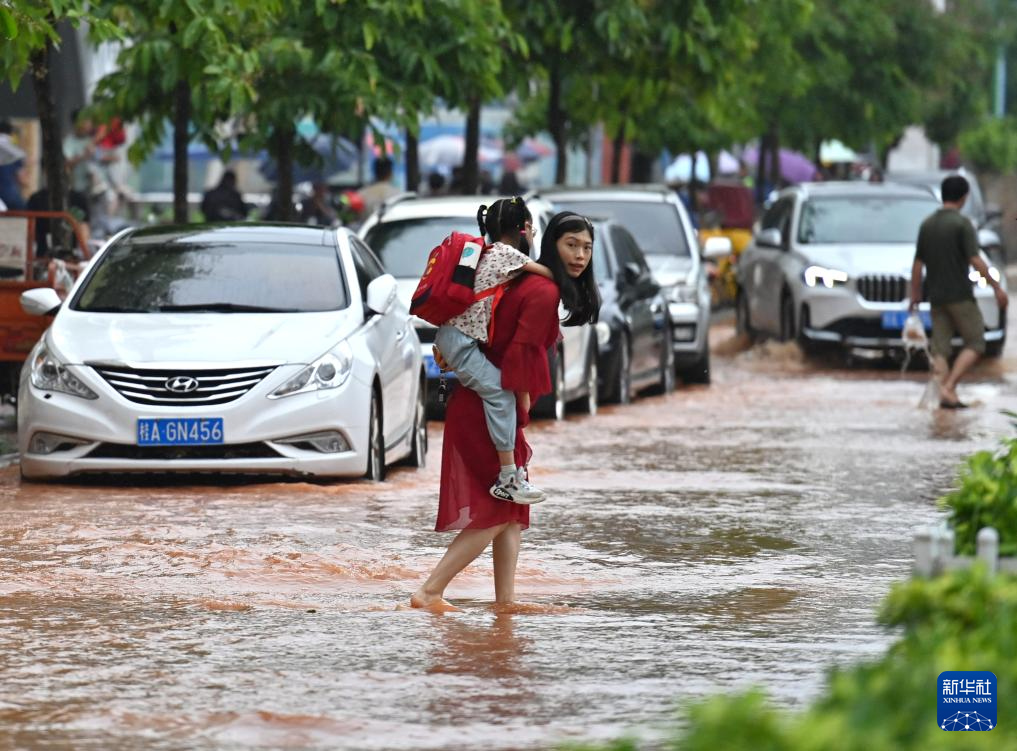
(6, 460)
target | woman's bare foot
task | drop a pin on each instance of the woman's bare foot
(433, 603)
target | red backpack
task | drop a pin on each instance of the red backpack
(446, 287)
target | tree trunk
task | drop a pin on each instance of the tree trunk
(775, 176)
(412, 161)
(556, 121)
(471, 166)
(282, 146)
(52, 144)
(764, 151)
(181, 138)
(640, 167)
(618, 144)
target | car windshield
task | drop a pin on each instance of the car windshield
(403, 246)
(655, 225)
(858, 220)
(214, 278)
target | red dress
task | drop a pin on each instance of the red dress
(526, 325)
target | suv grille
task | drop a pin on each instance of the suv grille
(883, 288)
(144, 386)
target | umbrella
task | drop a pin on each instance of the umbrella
(334, 154)
(532, 150)
(9, 153)
(449, 151)
(834, 151)
(794, 167)
(727, 164)
(680, 170)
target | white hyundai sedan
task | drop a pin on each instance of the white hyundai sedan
(229, 349)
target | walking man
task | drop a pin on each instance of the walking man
(947, 246)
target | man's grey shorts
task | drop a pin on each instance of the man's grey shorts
(954, 318)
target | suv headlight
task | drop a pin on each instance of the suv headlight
(978, 279)
(330, 371)
(829, 278)
(49, 374)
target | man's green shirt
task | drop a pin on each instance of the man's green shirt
(946, 245)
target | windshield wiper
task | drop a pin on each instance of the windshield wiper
(221, 307)
(113, 309)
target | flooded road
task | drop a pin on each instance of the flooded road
(708, 540)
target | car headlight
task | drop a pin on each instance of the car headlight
(683, 293)
(330, 371)
(978, 279)
(829, 278)
(49, 374)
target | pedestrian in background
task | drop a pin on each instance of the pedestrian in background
(12, 169)
(375, 194)
(947, 246)
(223, 203)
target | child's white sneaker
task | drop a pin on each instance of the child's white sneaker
(517, 489)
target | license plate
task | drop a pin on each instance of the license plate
(433, 371)
(894, 320)
(180, 431)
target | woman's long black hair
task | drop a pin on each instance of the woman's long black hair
(505, 217)
(579, 296)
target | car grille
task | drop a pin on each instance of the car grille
(144, 386)
(883, 288)
(177, 453)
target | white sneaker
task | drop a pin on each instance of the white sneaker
(517, 489)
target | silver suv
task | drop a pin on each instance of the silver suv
(661, 226)
(831, 264)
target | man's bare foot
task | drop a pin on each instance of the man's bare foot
(432, 603)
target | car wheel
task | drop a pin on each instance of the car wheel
(591, 401)
(787, 319)
(743, 324)
(418, 450)
(375, 442)
(553, 405)
(699, 371)
(621, 392)
(665, 384)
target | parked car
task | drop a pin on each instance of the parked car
(241, 349)
(832, 264)
(638, 351)
(404, 231)
(657, 219)
(985, 220)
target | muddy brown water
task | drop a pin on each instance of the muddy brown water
(713, 539)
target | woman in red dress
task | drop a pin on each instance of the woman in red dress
(526, 326)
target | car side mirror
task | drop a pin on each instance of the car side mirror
(632, 272)
(41, 301)
(381, 293)
(770, 238)
(716, 248)
(988, 239)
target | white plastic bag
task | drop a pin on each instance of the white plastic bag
(913, 333)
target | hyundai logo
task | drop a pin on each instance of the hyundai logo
(182, 384)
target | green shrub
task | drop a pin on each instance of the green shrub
(991, 145)
(986, 497)
(966, 620)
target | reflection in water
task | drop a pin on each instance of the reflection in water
(714, 538)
